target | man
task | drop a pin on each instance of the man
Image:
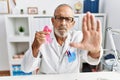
(63, 54)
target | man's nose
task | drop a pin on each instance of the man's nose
(63, 22)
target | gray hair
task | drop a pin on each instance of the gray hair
(61, 6)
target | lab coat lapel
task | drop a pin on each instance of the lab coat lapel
(55, 45)
(66, 47)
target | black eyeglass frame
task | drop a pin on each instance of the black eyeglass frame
(68, 19)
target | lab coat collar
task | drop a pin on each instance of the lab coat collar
(66, 47)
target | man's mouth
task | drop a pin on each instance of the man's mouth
(62, 29)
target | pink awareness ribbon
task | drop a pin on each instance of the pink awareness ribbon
(48, 38)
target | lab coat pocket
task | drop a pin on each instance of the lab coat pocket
(71, 56)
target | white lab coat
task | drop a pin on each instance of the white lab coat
(51, 60)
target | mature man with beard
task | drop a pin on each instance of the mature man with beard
(64, 53)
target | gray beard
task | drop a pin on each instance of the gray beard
(60, 34)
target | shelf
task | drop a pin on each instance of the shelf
(19, 39)
(17, 16)
(16, 61)
(26, 16)
(96, 14)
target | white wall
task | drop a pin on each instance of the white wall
(48, 5)
(3, 52)
(111, 7)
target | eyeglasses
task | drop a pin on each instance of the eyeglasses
(67, 19)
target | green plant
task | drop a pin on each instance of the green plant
(21, 29)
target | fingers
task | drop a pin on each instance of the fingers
(98, 26)
(84, 24)
(93, 22)
(76, 45)
(89, 22)
(43, 32)
(40, 37)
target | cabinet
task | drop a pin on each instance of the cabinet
(17, 44)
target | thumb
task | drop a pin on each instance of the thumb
(76, 45)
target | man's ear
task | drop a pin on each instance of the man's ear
(52, 20)
(73, 23)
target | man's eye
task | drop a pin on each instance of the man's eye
(68, 19)
(61, 18)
